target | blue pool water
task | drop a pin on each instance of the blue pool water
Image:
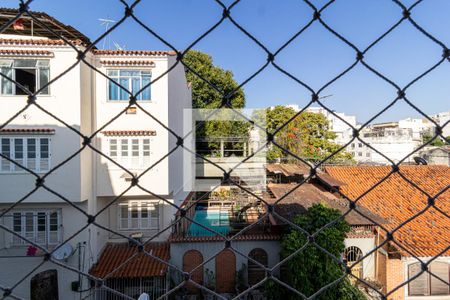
(214, 219)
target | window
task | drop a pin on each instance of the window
(359, 153)
(255, 272)
(30, 73)
(352, 256)
(138, 215)
(30, 152)
(133, 153)
(360, 145)
(367, 154)
(426, 284)
(40, 226)
(132, 80)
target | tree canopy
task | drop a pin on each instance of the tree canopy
(203, 94)
(312, 260)
(203, 75)
(307, 136)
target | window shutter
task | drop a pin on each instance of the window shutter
(441, 270)
(418, 286)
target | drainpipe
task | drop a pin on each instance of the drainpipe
(376, 254)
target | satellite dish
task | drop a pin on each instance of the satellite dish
(144, 296)
(64, 252)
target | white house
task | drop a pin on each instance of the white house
(50, 212)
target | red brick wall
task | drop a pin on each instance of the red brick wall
(381, 269)
(191, 260)
(226, 272)
(394, 277)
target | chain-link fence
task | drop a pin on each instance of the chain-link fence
(190, 277)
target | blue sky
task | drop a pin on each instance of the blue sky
(315, 57)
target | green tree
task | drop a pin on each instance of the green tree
(435, 141)
(204, 96)
(308, 135)
(311, 269)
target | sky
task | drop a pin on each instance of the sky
(315, 57)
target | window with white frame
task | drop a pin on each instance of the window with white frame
(30, 73)
(30, 152)
(132, 80)
(39, 226)
(426, 284)
(138, 215)
(130, 152)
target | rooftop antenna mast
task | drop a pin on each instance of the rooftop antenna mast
(107, 24)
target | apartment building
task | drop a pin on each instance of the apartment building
(49, 210)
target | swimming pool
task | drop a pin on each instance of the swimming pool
(215, 219)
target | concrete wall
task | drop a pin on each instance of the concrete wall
(210, 249)
(366, 245)
(180, 100)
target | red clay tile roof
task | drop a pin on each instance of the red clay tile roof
(142, 265)
(7, 52)
(127, 63)
(132, 53)
(27, 131)
(178, 238)
(303, 197)
(129, 132)
(38, 42)
(396, 200)
(289, 169)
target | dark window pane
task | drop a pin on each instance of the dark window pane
(27, 78)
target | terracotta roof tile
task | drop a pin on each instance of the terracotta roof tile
(127, 63)
(396, 200)
(303, 197)
(8, 52)
(27, 131)
(133, 53)
(142, 265)
(289, 169)
(38, 42)
(129, 132)
(178, 238)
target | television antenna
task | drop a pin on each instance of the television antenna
(107, 23)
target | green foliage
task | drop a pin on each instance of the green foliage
(435, 141)
(203, 95)
(206, 97)
(312, 269)
(307, 136)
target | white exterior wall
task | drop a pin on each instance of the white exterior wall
(344, 133)
(15, 268)
(65, 102)
(417, 126)
(179, 100)
(392, 142)
(157, 179)
(366, 245)
(80, 99)
(442, 119)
